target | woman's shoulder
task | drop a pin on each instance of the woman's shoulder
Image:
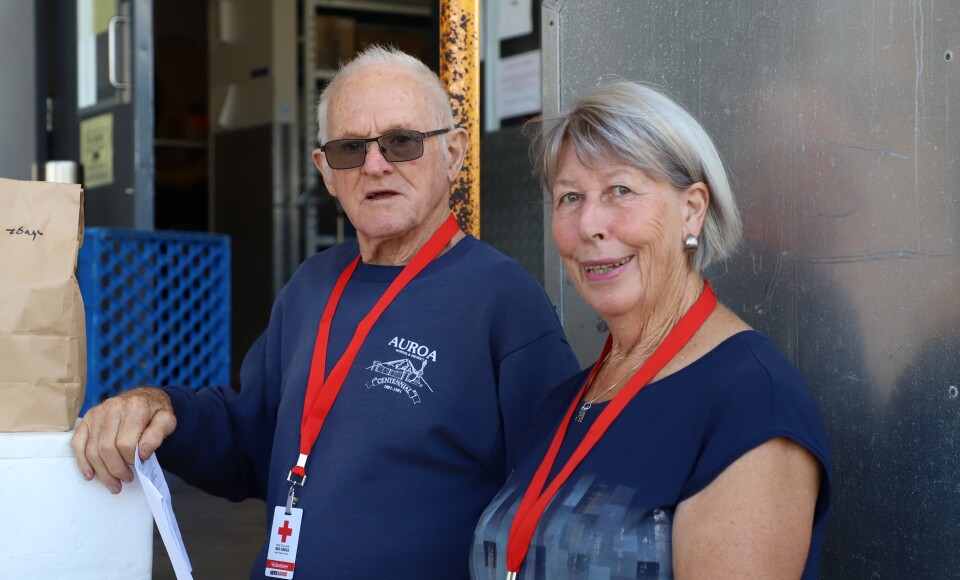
(745, 386)
(726, 346)
(744, 364)
(746, 391)
(717, 329)
(742, 394)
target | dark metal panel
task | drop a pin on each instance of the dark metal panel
(511, 200)
(127, 200)
(143, 115)
(836, 122)
(286, 225)
(244, 208)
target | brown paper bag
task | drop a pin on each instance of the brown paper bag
(43, 358)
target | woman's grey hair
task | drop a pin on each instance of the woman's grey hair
(632, 123)
(389, 56)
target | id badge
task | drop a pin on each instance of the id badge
(284, 537)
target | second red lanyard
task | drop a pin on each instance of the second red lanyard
(536, 499)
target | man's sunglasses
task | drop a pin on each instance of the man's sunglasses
(396, 146)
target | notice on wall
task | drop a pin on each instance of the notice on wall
(516, 18)
(518, 89)
(96, 150)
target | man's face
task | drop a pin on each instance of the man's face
(389, 201)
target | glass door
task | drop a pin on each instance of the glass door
(102, 85)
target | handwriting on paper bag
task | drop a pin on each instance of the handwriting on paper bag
(22, 231)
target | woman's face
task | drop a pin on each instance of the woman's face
(620, 233)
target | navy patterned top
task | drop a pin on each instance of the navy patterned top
(613, 518)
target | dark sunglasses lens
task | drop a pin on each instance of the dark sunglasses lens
(402, 145)
(346, 153)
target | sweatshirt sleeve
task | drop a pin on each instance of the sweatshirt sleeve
(526, 376)
(223, 439)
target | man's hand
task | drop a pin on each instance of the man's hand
(107, 437)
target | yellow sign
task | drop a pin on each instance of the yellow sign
(96, 150)
(103, 11)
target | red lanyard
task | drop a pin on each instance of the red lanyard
(322, 393)
(535, 499)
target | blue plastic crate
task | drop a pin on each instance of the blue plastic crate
(157, 309)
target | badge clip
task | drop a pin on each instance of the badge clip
(296, 478)
(298, 475)
(291, 500)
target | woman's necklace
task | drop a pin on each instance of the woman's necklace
(587, 404)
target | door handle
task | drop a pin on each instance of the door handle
(112, 73)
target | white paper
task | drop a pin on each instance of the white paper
(516, 18)
(518, 89)
(158, 498)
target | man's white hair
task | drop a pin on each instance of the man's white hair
(394, 58)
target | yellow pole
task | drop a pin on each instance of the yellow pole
(460, 73)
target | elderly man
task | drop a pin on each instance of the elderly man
(379, 410)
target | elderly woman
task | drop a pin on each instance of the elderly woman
(692, 448)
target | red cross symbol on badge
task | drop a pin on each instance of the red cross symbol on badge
(285, 531)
